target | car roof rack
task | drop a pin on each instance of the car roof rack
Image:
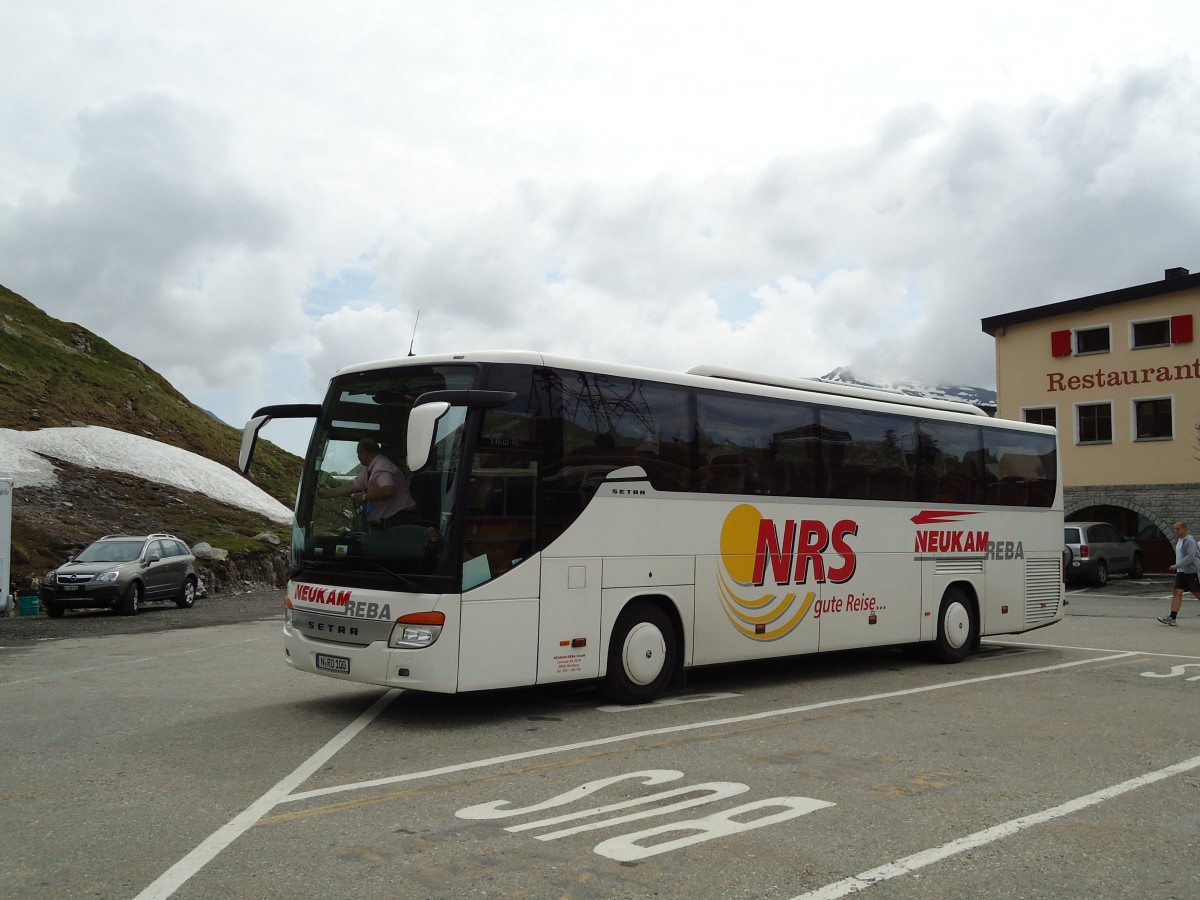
(137, 537)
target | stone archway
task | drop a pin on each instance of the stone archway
(1071, 508)
(1137, 503)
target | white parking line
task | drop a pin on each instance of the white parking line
(174, 878)
(667, 701)
(1094, 649)
(910, 864)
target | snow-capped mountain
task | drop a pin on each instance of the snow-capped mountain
(977, 396)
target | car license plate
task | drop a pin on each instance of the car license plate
(339, 664)
(70, 587)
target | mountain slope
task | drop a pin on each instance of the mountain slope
(55, 373)
(977, 396)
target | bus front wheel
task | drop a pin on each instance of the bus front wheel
(641, 656)
(958, 627)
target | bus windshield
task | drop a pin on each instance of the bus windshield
(331, 530)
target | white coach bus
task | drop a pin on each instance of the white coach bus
(585, 521)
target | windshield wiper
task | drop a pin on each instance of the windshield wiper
(357, 565)
(403, 579)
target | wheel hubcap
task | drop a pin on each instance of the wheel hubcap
(957, 625)
(645, 653)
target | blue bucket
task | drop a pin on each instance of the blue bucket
(27, 605)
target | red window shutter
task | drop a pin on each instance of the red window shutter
(1181, 329)
(1060, 343)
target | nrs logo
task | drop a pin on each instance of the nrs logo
(755, 549)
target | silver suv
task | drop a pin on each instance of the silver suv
(121, 572)
(1096, 550)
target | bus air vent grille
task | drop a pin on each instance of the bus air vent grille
(1043, 589)
(972, 566)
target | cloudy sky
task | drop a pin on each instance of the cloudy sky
(249, 195)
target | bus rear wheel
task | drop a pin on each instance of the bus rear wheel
(958, 627)
(641, 656)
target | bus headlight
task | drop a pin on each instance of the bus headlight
(416, 630)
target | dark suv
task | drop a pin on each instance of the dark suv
(120, 572)
(1096, 550)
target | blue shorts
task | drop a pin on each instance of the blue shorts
(1187, 581)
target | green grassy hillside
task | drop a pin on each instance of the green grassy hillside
(55, 374)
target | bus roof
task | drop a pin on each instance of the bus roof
(843, 390)
(809, 385)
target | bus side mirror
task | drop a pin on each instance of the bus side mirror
(261, 417)
(422, 426)
(249, 441)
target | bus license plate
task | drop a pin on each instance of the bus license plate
(339, 664)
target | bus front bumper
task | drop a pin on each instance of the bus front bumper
(433, 668)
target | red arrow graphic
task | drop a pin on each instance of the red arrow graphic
(939, 516)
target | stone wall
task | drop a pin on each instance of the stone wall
(1162, 504)
(244, 571)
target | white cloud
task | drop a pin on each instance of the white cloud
(248, 201)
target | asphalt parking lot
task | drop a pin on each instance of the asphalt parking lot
(191, 762)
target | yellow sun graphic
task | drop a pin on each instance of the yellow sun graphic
(739, 542)
(768, 617)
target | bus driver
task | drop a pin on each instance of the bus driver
(380, 487)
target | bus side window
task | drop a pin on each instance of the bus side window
(726, 474)
(950, 462)
(891, 483)
(1022, 468)
(673, 470)
(775, 476)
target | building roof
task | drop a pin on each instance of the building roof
(1173, 280)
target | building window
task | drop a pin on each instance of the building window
(1155, 333)
(1042, 415)
(1094, 423)
(1153, 420)
(1092, 340)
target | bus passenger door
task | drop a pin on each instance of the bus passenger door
(569, 630)
(499, 623)
(500, 578)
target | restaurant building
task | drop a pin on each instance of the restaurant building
(1118, 373)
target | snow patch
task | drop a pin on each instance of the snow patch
(23, 457)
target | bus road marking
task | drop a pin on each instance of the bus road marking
(667, 701)
(909, 864)
(1176, 672)
(629, 847)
